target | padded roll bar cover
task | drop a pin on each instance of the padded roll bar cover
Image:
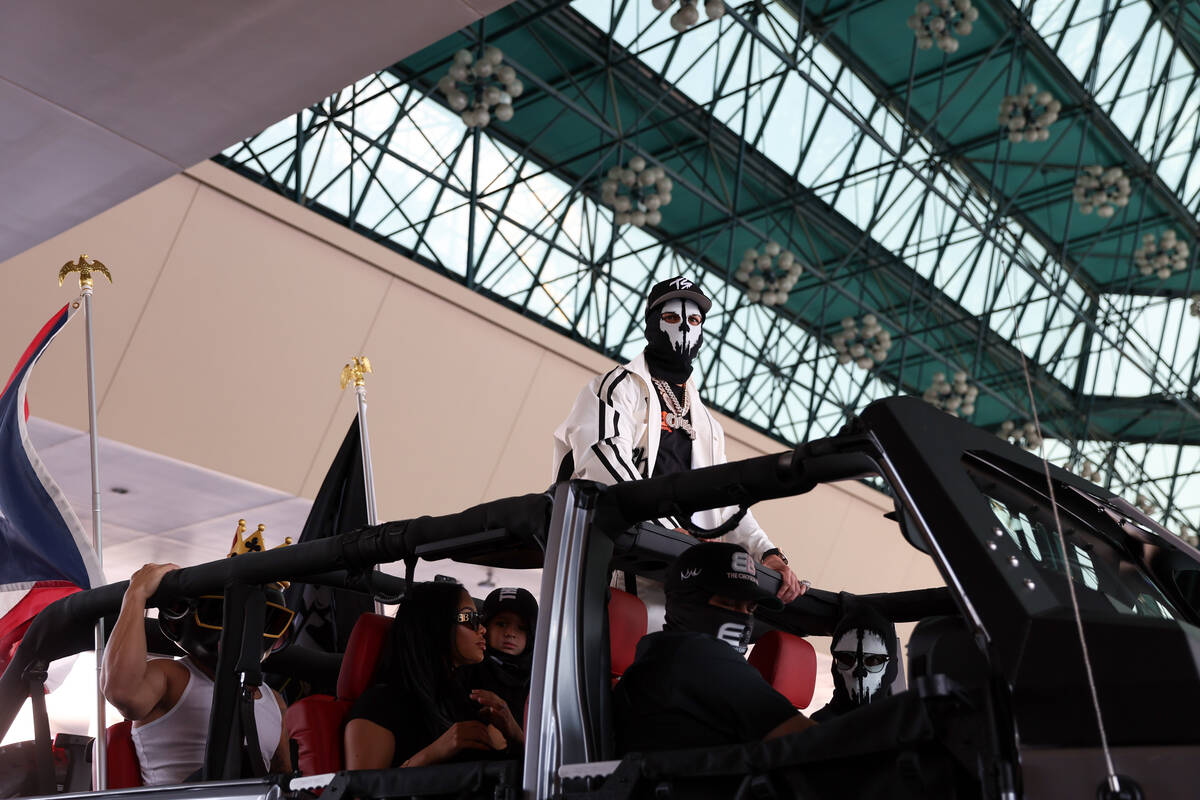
(627, 621)
(788, 663)
(362, 654)
(735, 483)
(124, 772)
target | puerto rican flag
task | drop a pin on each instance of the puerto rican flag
(45, 553)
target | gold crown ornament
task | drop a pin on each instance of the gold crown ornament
(254, 543)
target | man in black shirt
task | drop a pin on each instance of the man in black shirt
(690, 685)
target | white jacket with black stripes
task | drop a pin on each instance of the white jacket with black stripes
(609, 438)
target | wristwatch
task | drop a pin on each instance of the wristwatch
(775, 551)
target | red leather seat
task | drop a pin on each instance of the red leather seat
(626, 625)
(123, 769)
(315, 722)
(788, 663)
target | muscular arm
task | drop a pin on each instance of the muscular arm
(132, 684)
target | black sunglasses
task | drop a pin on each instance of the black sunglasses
(472, 619)
(874, 662)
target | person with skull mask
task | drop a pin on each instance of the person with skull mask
(645, 419)
(865, 661)
(169, 700)
(689, 684)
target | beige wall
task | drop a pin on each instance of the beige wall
(233, 311)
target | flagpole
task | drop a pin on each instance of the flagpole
(365, 440)
(85, 267)
(353, 373)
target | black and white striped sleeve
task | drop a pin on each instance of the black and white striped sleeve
(602, 429)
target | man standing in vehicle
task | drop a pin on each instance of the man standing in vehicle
(645, 419)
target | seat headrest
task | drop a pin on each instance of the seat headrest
(788, 663)
(123, 769)
(945, 646)
(626, 625)
(362, 654)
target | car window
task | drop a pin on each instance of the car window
(1107, 576)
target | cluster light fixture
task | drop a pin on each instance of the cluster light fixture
(865, 344)
(1028, 115)
(1161, 256)
(688, 15)
(956, 398)
(490, 87)
(1026, 436)
(768, 273)
(1102, 190)
(646, 190)
(939, 21)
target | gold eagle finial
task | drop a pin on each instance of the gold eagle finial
(85, 267)
(354, 371)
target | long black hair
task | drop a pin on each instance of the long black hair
(419, 652)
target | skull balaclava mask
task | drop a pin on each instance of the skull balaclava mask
(865, 661)
(671, 347)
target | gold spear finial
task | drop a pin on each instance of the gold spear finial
(85, 267)
(354, 371)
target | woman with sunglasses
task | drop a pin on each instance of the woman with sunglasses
(419, 712)
(169, 699)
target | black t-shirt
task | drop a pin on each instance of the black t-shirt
(689, 689)
(674, 444)
(510, 684)
(397, 709)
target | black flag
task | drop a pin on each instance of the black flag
(324, 616)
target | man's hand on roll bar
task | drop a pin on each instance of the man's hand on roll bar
(790, 587)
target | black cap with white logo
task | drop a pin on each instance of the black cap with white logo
(719, 568)
(678, 287)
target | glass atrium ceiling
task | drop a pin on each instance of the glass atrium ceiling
(825, 129)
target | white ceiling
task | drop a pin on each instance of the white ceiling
(99, 101)
(174, 511)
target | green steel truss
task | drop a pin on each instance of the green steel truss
(883, 167)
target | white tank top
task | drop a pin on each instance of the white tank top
(171, 748)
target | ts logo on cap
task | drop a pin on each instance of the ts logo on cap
(681, 283)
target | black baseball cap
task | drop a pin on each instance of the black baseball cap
(678, 286)
(514, 599)
(720, 568)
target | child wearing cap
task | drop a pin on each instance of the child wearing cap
(510, 615)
